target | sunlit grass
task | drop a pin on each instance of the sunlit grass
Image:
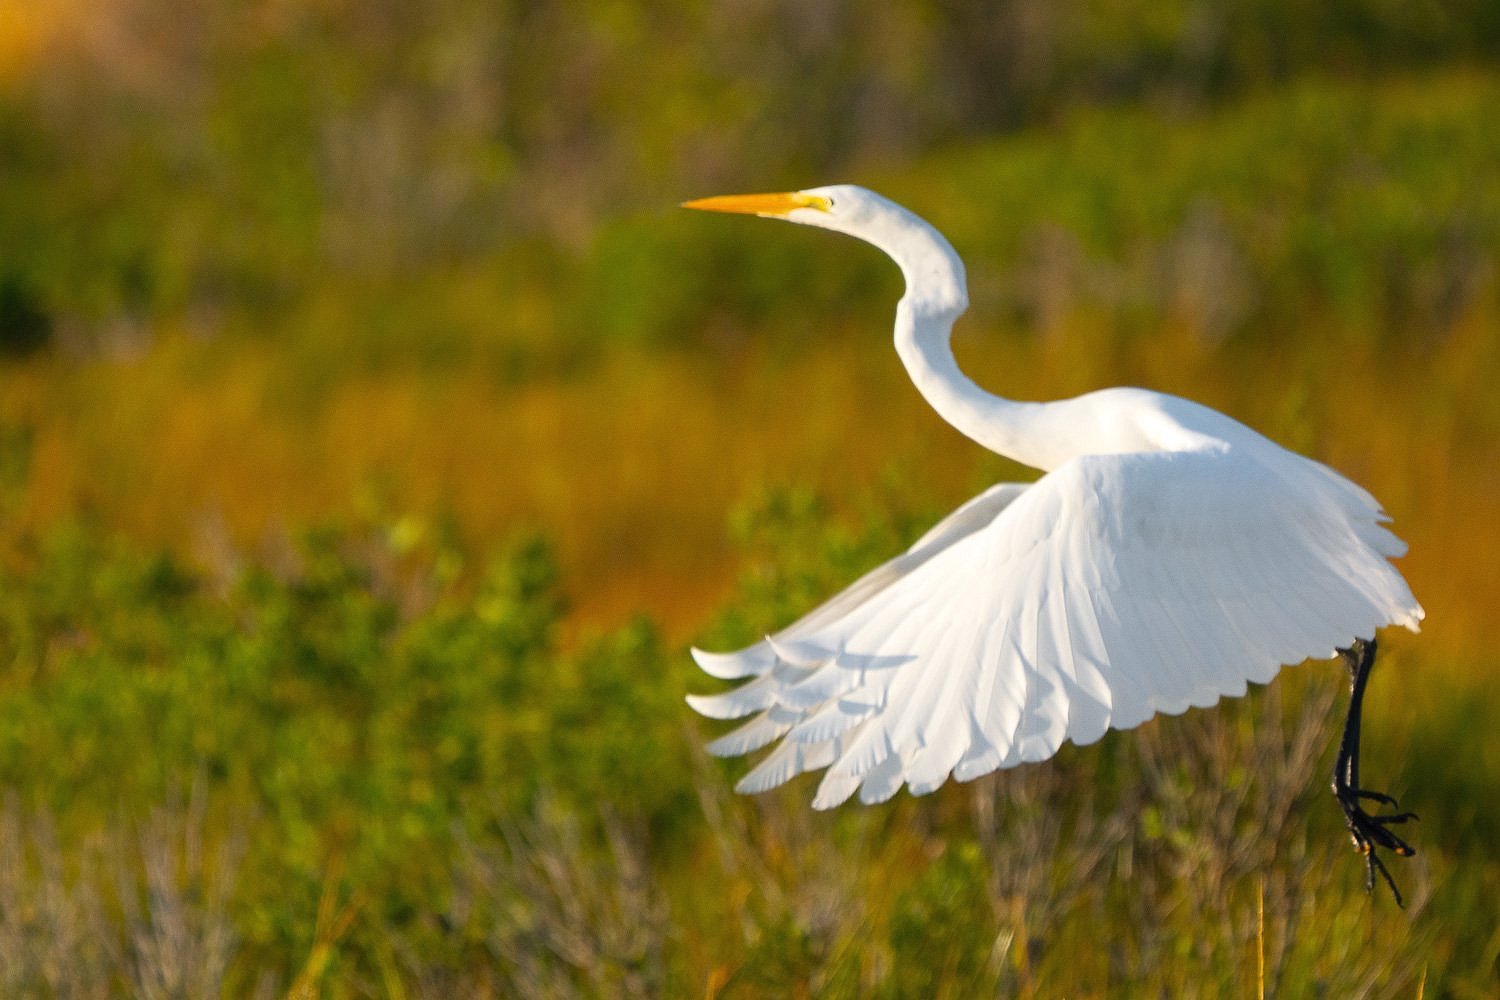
(633, 463)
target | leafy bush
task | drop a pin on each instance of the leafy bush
(341, 707)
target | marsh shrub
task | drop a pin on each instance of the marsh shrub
(331, 718)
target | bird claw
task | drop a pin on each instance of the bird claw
(1381, 797)
(1373, 864)
(1370, 832)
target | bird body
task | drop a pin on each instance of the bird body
(1168, 555)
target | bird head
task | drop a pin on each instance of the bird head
(934, 273)
(841, 207)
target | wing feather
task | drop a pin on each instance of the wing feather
(764, 729)
(882, 781)
(1091, 662)
(1122, 658)
(834, 719)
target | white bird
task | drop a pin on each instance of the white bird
(1168, 555)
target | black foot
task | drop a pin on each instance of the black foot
(1370, 832)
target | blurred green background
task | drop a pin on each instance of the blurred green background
(375, 435)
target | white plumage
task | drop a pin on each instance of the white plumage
(1168, 556)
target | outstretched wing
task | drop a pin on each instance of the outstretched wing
(772, 673)
(760, 658)
(1115, 587)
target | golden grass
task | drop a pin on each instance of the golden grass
(632, 463)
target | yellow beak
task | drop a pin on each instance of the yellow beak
(774, 205)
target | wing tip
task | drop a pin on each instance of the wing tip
(765, 729)
(749, 662)
(926, 786)
(797, 653)
(719, 706)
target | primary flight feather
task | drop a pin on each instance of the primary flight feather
(1167, 556)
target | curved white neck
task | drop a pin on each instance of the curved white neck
(936, 295)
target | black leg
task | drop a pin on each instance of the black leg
(1369, 831)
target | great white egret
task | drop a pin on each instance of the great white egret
(1168, 555)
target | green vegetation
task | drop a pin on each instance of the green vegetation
(345, 770)
(374, 438)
